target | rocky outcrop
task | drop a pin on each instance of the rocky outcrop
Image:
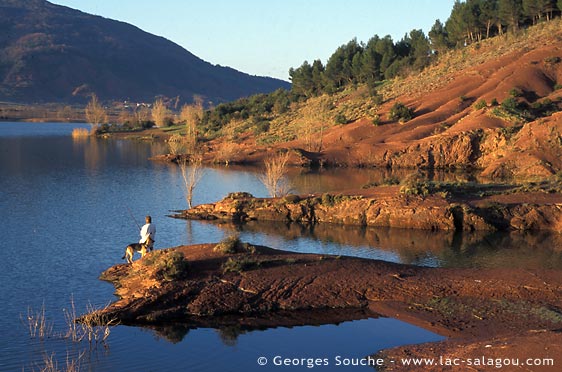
(388, 209)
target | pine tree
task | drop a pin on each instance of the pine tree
(510, 13)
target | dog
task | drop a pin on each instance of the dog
(142, 248)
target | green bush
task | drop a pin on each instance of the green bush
(232, 245)
(552, 60)
(480, 104)
(401, 113)
(328, 199)
(515, 92)
(238, 265)
(341, 119)
(172, 265)
(261, 126)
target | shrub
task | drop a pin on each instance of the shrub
(378, 99)
(239, 195)
(291, 199)
(239, 265)
(376, 120)
(401, 113)
(552, 60)
(341, 119)
(514, 92)
(229, 245)
(510, 104)
(327, 199)
(232, 245)
(172, 266)
(415, 184)
(494, 102)
(480, 104)
(261, 126)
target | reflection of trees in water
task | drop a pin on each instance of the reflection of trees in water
(98, 153)
(423, 247)
(324, 180)
(173, 333)
(229, 335)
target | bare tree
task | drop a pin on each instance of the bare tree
(176, 144)
(191, 115)
(192, 172)
(124, 116)
(159, 112)
(95, 113)
(274, 176)
(142, 113)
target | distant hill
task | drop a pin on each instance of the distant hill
(51, 53)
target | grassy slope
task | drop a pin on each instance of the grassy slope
(443, 98)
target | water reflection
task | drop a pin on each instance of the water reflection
(229, 328)
(529, 250)
(324, 180)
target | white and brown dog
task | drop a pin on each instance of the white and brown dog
(142, 248)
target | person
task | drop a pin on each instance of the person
(148, 230)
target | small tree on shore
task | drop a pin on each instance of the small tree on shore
(159, 113)
(141, 115)
(95, 113)
(273, 177)
(191, 115)
(192, 171)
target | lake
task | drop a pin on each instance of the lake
(69, 207)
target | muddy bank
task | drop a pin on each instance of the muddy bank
(388, 207)
(261, 287)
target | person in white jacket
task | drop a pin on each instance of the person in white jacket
(148, 230)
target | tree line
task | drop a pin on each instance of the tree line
(381, 58)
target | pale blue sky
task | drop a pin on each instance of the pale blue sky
(268, 37)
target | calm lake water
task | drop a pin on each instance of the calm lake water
(67, 209)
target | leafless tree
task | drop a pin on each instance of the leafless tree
(159, 112)
(192, 171)
(191, 115)
(95, 113)
(273, 177)
(176, 144)
(142, 113)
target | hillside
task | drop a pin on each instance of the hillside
(51, 53)
(494, 105)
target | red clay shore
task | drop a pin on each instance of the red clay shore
(517, 312)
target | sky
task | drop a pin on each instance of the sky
(267, 37)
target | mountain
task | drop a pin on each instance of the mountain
(51, 53)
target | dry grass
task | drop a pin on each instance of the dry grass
(37, 323)
(51, 365)
(94, 326)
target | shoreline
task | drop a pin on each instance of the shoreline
(389, 206)
(271, 288)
